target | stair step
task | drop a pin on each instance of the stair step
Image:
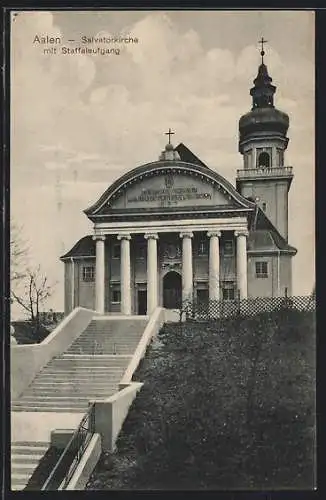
(90, 356)
(70, 363)
(23, 458)
(71, 390)
(91, 382)
(82, 403)
(125, 342)
(83, 369)
(47, 384)
(109, 350)
(27, 469)
(56, 381)
(20, 476)
(109, 363)
(99, 340)
(30, 444)
(74, 377)
(18, 486)
(70, 367)
(52, 409)
(46, 399)
(107, 360)
(87, 372)
(109, 341)
(48, 389)
(89, 364)
(28, 452)
(104, 350)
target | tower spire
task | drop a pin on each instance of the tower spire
(263, 91)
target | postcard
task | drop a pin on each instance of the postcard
(162, 250)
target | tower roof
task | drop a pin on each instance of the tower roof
(263, 118)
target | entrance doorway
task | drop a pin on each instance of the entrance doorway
(172, 290)
(142, 302)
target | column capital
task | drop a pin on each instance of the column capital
(98, 237)
(125, 236)
(151, 236)
(242, 232)
(186, 234)
(214, 232)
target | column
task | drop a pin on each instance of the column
(99, 274)
(214, 265)
(242, 263)
(125, 274)
(254, 158)
(187, 278)
(151, 271)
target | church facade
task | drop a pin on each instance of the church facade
(175, 230)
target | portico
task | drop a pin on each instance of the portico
(157, 268)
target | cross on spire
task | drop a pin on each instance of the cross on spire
(262, 52)
(169, 133)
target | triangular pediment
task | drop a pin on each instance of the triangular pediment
(169, 185)
(168, 190)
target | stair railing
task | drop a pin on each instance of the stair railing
(72, 454)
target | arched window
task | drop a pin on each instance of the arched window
(264, 160)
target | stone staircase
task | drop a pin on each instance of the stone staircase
(25, 457)
(91, 368)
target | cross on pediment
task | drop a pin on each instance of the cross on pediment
(169, 133)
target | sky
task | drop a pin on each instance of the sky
(78, 121)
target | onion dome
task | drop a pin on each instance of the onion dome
(263, 119)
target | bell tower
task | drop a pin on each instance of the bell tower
(262, 143)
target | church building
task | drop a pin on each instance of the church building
(175, 230)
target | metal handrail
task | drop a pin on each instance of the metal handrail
(71, 455)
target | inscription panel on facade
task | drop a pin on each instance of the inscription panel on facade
(171, 191)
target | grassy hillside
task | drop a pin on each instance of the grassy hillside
(225, 405)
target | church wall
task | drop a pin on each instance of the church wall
(76, 283)
(260, 287)
(274, 195)
(282, 209)
(286, 274)
(68, 287)
(86, 291)
(275, 269)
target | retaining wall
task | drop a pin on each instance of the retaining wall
(27, 360)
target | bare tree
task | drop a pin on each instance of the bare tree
(34, 294)
(18, 254)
